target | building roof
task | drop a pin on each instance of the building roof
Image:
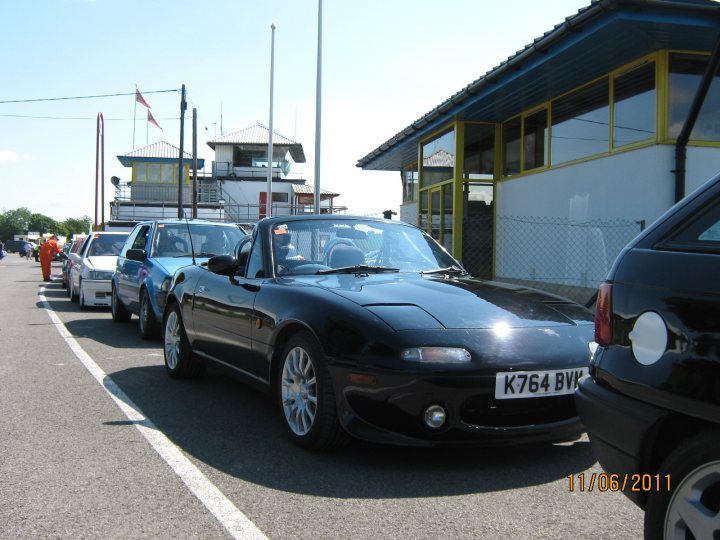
(259, 135)
(161, 151)
(305, 189)
(599, 38)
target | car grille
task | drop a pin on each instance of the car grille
(487, 411)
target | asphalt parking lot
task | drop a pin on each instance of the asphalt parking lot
(120, 450)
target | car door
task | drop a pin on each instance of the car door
(223, 315)
(130, 272)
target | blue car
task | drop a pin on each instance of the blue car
(151, 255)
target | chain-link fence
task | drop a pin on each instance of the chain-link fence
(565, 257)
(568, 257)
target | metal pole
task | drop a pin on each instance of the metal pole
(194, 165)
(102, 172)
(268, 203)
(318, 112)
(181, 171)
(97, 160)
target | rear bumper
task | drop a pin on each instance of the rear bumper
(619, 429)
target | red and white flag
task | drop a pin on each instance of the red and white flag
(152, 120)
(140, 99)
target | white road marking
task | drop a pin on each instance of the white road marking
(237, 524)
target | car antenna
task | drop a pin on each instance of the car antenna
(192, 248)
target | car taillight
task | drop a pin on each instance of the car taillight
(603, 315)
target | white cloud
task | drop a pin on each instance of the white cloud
(8, 155)
(12, 155)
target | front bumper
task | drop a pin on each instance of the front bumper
(388, 408)
(620, 429)
(96, 292)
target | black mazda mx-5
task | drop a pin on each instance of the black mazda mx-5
(369, 327)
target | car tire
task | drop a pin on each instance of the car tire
(72, 293)
(306, 397)
(120, 314)
(81, 297)
(148, 325)
(180, 361)
(693, 471)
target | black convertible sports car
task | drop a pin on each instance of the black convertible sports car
(369, 327)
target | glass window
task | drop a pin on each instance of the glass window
(447, 218)
(255, 267)
(511, 146)
(410, 182)
(140, 170)
(686, 71)
(535, 138)
(701, 234)
(634, 109)
(479, 151)
(168, 173)
(154, 172)
(438, 158)
(580, 123)
(435, 213)
(423, 216)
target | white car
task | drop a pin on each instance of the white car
(93, 267)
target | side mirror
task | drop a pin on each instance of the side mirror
(224, 265)
(136, 254)
(74, 257)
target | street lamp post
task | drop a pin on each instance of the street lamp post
(268, 203)
(318, 107)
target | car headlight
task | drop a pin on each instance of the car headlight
(165, 285)
(436, 355)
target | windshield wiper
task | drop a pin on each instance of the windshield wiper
(358, 269)
(453, 270)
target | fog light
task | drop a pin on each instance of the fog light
(435, 416)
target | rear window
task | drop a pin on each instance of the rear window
(700, 234)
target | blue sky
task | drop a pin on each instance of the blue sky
(385, 64)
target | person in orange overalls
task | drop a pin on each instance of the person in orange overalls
(47, 251)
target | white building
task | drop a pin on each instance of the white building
(235, 190)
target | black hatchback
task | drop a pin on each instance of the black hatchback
(651, 403)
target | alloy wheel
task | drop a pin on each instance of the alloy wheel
(172, 340)
(695, 505)
(299, 391)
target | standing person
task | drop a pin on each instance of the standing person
(27, 250)
(2, 249)
(47, 251)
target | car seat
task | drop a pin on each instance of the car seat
(343, 255)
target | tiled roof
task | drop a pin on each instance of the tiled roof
(161, 150)
(260, 135)
(305, 189)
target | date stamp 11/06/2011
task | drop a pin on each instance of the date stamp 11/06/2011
(604, 482)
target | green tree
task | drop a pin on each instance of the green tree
(42, 224)
(72, 226)
(14, 222)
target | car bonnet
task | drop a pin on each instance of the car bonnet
(458, 303)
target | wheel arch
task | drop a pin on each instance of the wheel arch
(668, 435)
(286, 332)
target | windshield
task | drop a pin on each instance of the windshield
(208, 239)
(106, 245)
(321, 246)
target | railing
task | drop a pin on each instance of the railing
(143, 201)
(225, 169)
(155, 192)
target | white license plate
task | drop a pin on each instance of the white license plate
(524, 384)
